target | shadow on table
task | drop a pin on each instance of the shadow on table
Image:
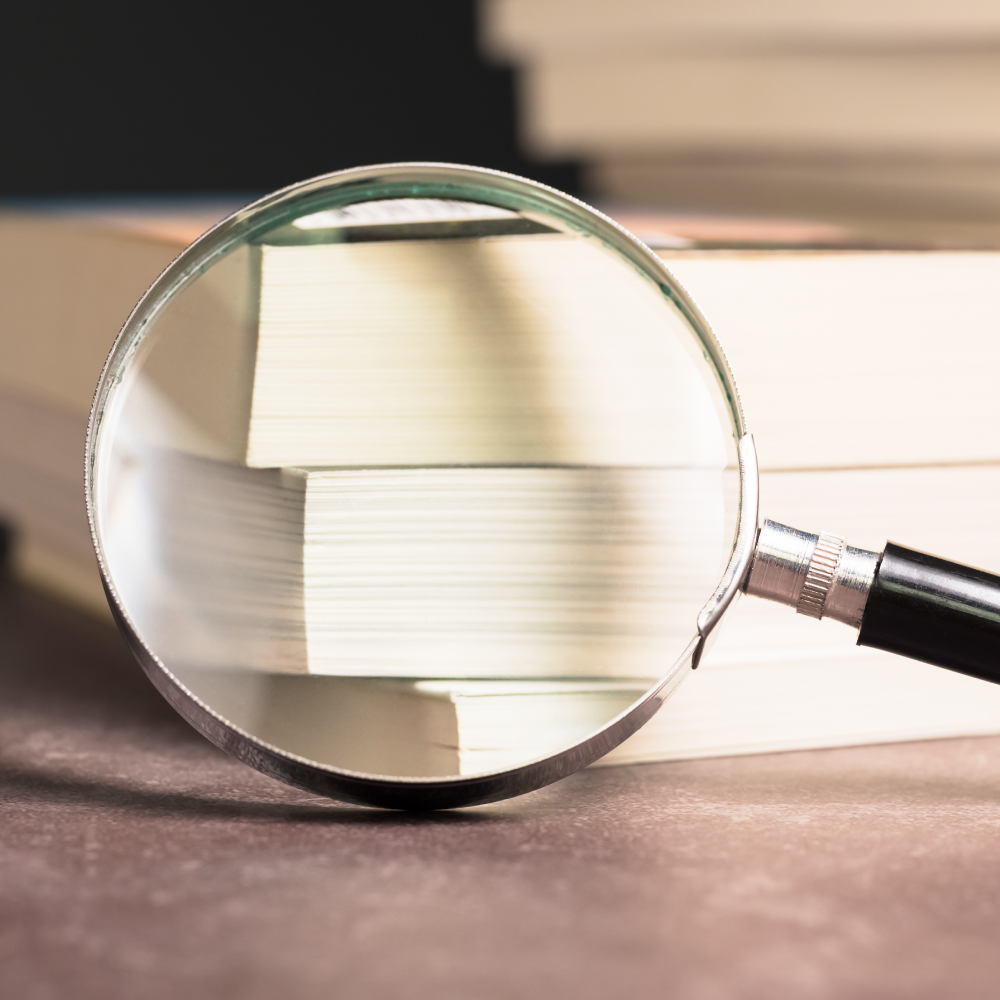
(42, 783)
(68, 677)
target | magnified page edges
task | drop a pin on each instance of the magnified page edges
(480, 572)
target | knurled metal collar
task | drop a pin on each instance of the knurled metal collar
(820, 575)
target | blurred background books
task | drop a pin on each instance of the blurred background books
(881, 116)
(825, 180)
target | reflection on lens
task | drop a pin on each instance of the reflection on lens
(417, 487)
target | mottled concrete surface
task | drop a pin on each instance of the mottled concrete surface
(137, 861)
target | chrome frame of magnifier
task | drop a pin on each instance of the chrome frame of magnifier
(430, 180)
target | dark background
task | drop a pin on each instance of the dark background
(142, 98)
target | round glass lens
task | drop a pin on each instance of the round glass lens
(424, 476)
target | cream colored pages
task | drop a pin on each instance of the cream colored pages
(775, 680)
(859, 359)
(68, 281)
(508, 572)
(517, 28)
(511, 349)
(66, 288)
(599, 104)
(424, 573)
(779, 681)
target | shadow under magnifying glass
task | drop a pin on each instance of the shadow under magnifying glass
(81, 726)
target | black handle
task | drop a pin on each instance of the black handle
(934, 610)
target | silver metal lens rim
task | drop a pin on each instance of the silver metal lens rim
(507, 190)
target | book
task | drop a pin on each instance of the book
(517, 29)
(876, 115)
(855, 328)
(412, 728)
(348, 353)
(482, 572)
(858, 102)
(773, 680)
(69, 277)
(885, 322)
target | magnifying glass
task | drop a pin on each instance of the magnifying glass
(423, 486)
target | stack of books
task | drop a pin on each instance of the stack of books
(869, 380)
(880, 114)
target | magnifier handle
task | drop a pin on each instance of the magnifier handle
(901, 600)
(934, 610)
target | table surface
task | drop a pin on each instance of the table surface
(136, 860)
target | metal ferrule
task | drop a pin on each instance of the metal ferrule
(818, 575)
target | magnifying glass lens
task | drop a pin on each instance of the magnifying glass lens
(415, 482)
